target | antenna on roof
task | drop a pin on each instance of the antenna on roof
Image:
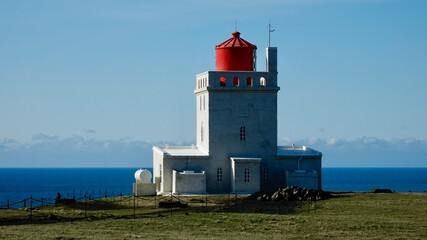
(270, 30)
(235, 25)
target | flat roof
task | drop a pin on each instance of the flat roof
(194, 151)
(288, 151)
(181, 151)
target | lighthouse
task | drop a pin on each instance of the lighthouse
(236, 133)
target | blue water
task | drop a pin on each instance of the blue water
(17, 184)
(365, 179)
(20, 183)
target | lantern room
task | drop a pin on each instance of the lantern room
(235, 54)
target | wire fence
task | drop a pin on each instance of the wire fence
(49, 201)
(106, 205)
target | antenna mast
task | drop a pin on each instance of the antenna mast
(270, 30)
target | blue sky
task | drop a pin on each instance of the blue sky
(96, 83)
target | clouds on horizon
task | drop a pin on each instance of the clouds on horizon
(368, 151)
(77, 151)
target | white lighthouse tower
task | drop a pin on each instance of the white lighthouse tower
(236, 149)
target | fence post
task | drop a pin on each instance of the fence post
(25, 202)
(85, 206)
(8, 206)
(31, 206)
(229, 200)
(41, 200)
(134, 207)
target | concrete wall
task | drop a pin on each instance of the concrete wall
(306, 179)
(179, 164)
(144, 189)
(282, 164)
(189, 182)
(158, 169)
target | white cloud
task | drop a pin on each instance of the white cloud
(76, 151)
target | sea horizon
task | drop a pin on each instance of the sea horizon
(20, 183)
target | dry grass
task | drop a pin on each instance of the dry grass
(347, 216)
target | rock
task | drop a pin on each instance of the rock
(293, 193)
(381, 190)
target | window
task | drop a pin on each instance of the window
(242, 133)
(222, 81)
(219, 175)
(249, 81)
(265, 174)
(262, 82)
(201, 132)
(247, 175)
(204, 105)
(236, 81)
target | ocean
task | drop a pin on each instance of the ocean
(17, 184)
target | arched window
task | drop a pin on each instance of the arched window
(249, 81)
(236, 81)
(262, 82)
(247, 175)
(222, 81)
(219, 175)
(242, 133)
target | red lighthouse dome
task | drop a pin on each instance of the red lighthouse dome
(235, 54)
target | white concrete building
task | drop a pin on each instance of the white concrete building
(236, 149)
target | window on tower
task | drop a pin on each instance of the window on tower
(222, 81)
(219, 175)
(262, 82)
(247, 175)
(201, 133)
(236, 81)
(249, 81)
(265, 174)
(242, 133)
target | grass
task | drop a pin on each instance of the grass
(345, 216)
